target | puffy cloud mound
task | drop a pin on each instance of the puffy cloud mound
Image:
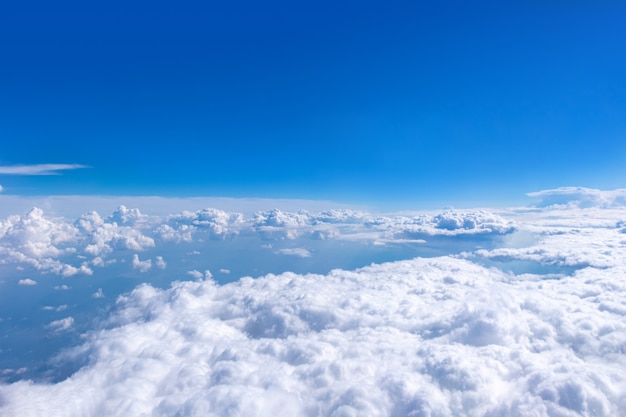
(427, 337)
(218, 224)
(103, 236)
(580, 197)
(448, 223)
(39, 241)
(52, 244)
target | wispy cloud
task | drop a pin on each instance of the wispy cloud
(38, 169)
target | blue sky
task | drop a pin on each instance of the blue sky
(357, 102)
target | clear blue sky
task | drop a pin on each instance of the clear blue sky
(352, 100)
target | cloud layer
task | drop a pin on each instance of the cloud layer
(436, 337)
(527, 320)
(580, 197)
(68, 247)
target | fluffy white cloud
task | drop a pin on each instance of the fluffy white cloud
(68, 247)
(438, 337)
(38, 241)
(580, 197)
(566, 237)
(48, 243)
(199, 275)
(62, 324)
(102, 237)
(160, 262)
(214, 223)
(27, 281)
(142, 266)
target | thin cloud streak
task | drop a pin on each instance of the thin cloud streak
(38, 169)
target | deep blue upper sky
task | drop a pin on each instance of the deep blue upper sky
(353, 100)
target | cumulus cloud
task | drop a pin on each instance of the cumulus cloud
(200, 275)
(69, 247)
(565, 237)
(160, 262)
(103, 236)
(27, 281)
(142, 266)
(580, 197)
(62, 287)
(439, 337)
(98, 294)
(212, 223)
(61, 325)
(38, 169)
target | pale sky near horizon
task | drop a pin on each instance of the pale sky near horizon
(362, 102)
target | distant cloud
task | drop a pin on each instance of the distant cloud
(142, 266)
(160, 262)
(580, 197)
(1, 188)
(199, 275)
(61, 325)
(27, 281)
(38, 169)
(62, 287)
(301, 252)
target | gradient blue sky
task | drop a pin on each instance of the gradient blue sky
(356, 101)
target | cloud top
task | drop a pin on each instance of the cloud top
(68, 247)
(580, 197)
(38, 169)
(440, 337)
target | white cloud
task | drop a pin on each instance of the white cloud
(210, 222)
(27, 281)
(62, 287)
(62, 324)
(38, 169)
(225, 271)
(69, 247)
(57, 309)
(1, 188)
(98, 294)
(301, 252)
(580, 197)
(160, 262)
(142, 266)
(195, 274)
(438, 336)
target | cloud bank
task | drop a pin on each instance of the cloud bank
(427, 337)
(67, 247)
(580, 197)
